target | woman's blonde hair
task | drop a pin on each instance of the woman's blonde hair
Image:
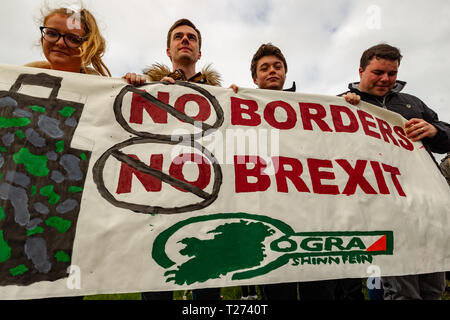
(93, 49)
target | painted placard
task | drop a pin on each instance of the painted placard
(110, 188)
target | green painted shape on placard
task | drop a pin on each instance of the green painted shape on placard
(53, 197)
(62, 225)
(20, 269)
(33, 191)
(34, 164)
(34, 231)
(14, 122)
(66, 111)
(19, 134)
(37, 108)
(160, 256)
(213, 258)
(59, 146)
(75, 189)
(61, 256)
(5, 249)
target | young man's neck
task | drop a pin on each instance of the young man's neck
(188, 70)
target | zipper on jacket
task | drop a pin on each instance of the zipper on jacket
(383, 103)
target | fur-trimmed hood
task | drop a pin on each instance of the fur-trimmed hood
(208, 76)
(46, 65)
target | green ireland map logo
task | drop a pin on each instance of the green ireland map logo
(239, 243)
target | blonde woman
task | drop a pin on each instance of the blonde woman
(71, 41)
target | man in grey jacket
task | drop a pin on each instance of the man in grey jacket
(379, 86)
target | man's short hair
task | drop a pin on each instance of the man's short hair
(183, 22)
(380, 51)
(264, 50)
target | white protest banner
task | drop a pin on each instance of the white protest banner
(109, 188)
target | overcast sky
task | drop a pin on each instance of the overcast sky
(322, 40)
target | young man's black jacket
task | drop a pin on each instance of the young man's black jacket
(410, 107)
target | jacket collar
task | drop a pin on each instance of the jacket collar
(207, 76)
(399, 85)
